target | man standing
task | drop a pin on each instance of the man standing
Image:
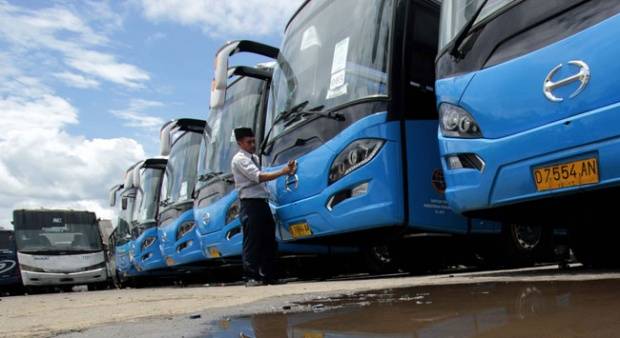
(259, 229)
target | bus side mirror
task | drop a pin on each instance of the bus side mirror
(124, 203)
(164, 137)
(112, 194)
(136, 176)
(220, 73)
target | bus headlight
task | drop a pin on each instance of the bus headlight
(454, 121)
(29, 268)
(148, 242)
(185, 228)
(354, 156)
(233, 212)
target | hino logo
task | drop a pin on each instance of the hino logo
(583, 76)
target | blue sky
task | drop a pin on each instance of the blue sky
(85, 86)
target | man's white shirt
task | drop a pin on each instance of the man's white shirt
(246, 173)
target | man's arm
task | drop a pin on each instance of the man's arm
(287, 170)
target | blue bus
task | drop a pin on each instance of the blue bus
(121, 242)
(526, 132)
(9, 269)
(177, 231)
(216, 206)
(352, 99)
(147, 180)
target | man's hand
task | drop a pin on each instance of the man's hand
(289, 169)
(292, 167)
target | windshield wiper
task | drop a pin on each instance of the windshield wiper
(208, 176)
(279, 118)
(455, 51)
(316, 112)
(283, 115)
(216, 174)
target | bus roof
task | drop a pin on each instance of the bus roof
(36, 218)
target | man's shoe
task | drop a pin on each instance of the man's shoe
(253, 282)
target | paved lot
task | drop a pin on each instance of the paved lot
(51, 314)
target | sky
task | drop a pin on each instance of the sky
(86, 85)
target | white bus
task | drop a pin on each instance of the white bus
(59, 248)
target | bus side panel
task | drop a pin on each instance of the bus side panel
(149, 258)
(428, 208)
(184, 250)
(214, 237)
(9, 269)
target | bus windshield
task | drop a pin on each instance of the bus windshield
(456, 13)
(181, 168)
(243, 100)
(334, 52)
(57, 238)
(147, 197)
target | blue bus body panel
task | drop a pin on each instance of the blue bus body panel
(124, 263)
(428, 208)
(170, 246)
(213, 234)
(9, 267)
(381, 206)
(150, 258)
(523, 129)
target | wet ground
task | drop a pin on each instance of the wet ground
(531, 302)
(547, 309)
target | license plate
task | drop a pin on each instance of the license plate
(300, 230)
(214, 252)
(566, 175)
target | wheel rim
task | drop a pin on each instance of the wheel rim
(527, 237)
(381, 254)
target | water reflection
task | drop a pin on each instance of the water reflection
(582, 309)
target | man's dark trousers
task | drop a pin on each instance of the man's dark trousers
(259, 239)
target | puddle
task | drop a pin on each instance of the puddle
(576, 309)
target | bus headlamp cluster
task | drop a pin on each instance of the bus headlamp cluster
(456, 122)
(354, 156)
(148, 242)
(233, 212)
(185, 228)
(29, 268)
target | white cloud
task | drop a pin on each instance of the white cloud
(224, 18)
(41, 164)
(77, 80)
(155, 37)
(106, 67)
(77, 44)
(135, 117)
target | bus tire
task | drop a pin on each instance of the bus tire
(381, 259)
(517, 246)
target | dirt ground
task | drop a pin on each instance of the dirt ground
(51, 314)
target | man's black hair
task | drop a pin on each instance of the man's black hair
(240, 133)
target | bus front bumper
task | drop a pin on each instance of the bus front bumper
(370, 197)
(31, 278)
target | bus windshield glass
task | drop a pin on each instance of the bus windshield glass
(147, 197)
(456, 13)
(181, 167)
(334, 53)
(56, 238)
(243, 100)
